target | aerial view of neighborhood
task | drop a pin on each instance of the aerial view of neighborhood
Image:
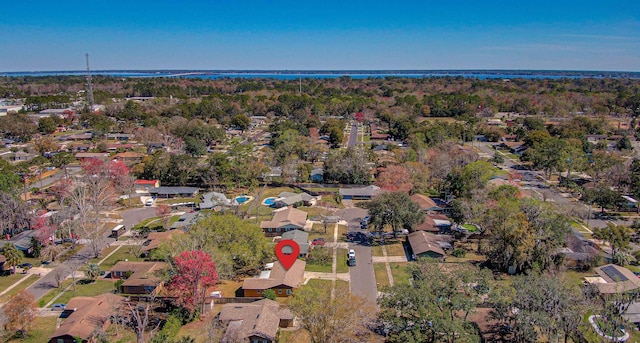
(264, 172)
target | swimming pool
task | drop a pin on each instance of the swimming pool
(269, 201)
(242, 199)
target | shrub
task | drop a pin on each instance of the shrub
(459, 252)
(269, 294)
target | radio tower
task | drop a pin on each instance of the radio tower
(89, 88)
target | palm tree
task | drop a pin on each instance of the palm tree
(50, 252)
(12, 254)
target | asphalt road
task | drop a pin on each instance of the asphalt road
(47, 282)
(362, 276)
(353, 136)
(533, 181)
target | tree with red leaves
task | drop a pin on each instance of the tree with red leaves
(195, 273)
(45, 229)
(93, 166)
(394, 178)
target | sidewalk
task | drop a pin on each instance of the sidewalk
(39, 271)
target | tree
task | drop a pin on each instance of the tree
(269, 294)
(164, 212)
(93, 271)
(537, 306)
(394, 209)
(343, 317)
(195, 272)
(617, 236)
(21, 311)
(140, 314)
(13, 255)
(92, 195)
(15, 216)
(348, 166)
(241, 121)
(434, 307)
(62, 160)
(240, 247)
(394, 178)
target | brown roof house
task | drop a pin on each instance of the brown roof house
(254, 322)
(87, 315)
(282, 281)
(430, 205)
(129, 157)
(436, 223)
(283, 221)
(613, 279)
(156, 238)
(139, 277)
(424, 244)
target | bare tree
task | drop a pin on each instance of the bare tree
(92, 195)
(58, 276)
(140, 318)
(73, 269)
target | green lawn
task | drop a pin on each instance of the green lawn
(106, 251)
(395, 249)
(84, 290)
(470, 227)
(124, 253)
(342, 266)
(319, 268)
(376, 250)
(40, 331)
(6, 281)
(399, 273)
(53, 292)
(382, 278)
(24, 284)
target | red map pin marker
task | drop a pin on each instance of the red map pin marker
(287, 252)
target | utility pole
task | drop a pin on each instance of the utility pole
(89, 87)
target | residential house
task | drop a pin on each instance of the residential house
(212, 199)
(613, 279)
(6, 109)
(516, 148)
(83, 156)
(361, 193)
(144, 186)
(300, 237)
(139, 277)
(156, 238)
(283, 221)
(185, 221)
(113, 147)
(172, 192)
(431, 205)
(255, 322)
(435, 223)
(85, 316)
(120, 136)
(286, 199)
(424, 244)
(23, 241)
(280, 280)
(317, 174)
(629, 201)
(129, 157)
(19, 156)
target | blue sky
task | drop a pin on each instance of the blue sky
(320, 35)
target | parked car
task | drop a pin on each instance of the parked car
(25, 265)
(351, 262)
(149, 202)
(58, 307)
(351, 254)
(318, 241)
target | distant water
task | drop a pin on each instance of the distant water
(294, 75)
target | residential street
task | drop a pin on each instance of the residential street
(48, 281)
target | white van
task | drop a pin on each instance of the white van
(149, 202)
